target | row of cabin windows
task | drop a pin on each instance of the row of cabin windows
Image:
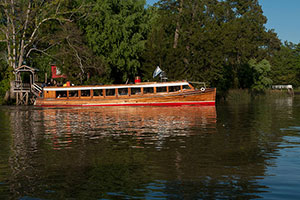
(121, 91)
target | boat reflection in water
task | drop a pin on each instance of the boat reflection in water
(146, 126)
(133, 152)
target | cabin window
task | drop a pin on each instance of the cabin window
(60, 94)
(85, 93)
(98, 93)
(186, 87)
(174, 88)
(161, 89)
(135, 91)
(148, 90)
(110, 92)
(73, 93)
(123, 91)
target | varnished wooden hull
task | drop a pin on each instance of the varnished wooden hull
(195, 97)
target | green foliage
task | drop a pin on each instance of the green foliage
(215, 41)
(6, 77)
(104, 41)
(261, 74)
(41, 62)
(286, 65)
(116, 31)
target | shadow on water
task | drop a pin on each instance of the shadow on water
(141, 152)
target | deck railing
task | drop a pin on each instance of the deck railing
(36, 89)
(18, 85)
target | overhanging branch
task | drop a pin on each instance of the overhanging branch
(39, 50)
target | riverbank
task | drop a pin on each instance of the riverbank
(246, 95)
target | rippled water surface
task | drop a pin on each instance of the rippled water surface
(236, 150)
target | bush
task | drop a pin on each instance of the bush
(261, 74)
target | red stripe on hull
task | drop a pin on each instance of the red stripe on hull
(208, 103)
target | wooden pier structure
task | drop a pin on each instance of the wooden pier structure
(26, 90)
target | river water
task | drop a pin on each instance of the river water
(236, 150)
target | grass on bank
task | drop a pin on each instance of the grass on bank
(246, 95)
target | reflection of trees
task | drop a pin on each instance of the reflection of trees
(117, 152)
(4, 153)
(26, 126)
(91, 168)
(229, 163)
(92, 152)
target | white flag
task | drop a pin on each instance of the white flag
(156, 71)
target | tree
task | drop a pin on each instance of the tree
(247, 38)
(209, 40)
(286, 65)
(116, 31)
(261, 75)
(70, 53)
(21, 23)
(186, 40)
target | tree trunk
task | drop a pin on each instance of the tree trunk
(6, 97)
(176, 35)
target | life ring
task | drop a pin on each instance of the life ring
(202, 89)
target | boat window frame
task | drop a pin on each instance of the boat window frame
(98, 96)
(61, 97)
(112, 89)
(147, 93)
(186, 89)
(159, 92)
(71, 91)
(138, 93)
(119, 94)
(81, 92)
(180, 89)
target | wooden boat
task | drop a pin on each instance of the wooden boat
(140, 94)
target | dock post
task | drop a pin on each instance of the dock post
(26, 98)
(17, 98)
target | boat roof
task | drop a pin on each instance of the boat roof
(139, 85)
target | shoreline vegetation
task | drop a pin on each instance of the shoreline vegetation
(222, 43)
(246, 95)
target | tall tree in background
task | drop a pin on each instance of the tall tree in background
(209, 40)
(116, 31)
(247, 37)
(286, 65)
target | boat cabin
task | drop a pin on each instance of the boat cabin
(116, 91)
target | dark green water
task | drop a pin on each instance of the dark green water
(235, 150)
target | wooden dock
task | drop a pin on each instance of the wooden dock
(26, 92)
